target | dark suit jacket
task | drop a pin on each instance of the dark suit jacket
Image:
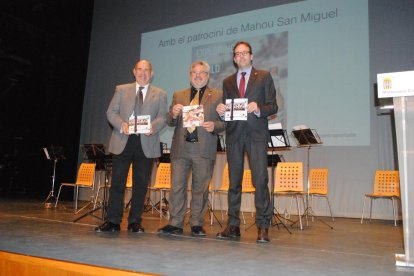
(121, 108)
(207, 141)
(260, 89)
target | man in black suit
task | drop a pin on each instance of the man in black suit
(249, 136)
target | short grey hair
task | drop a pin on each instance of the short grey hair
(200, 62)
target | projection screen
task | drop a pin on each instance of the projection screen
(317, 52)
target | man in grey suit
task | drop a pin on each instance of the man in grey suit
(131, 100)
(249, 136)
(192, 149)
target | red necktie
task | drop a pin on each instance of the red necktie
(242, 84)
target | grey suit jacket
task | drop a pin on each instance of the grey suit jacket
(122, 107)
(207, 141)
(260, 89)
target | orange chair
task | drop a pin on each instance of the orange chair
(84, 179)
(211, 192)
(386, 186)
(163, 185)
(225, 183)
(318, 186)
(248, 188)
(129, 178)
(289, 182)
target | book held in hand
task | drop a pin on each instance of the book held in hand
(139, 124)
(236, 109)
(193, 115)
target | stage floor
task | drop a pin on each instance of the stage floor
(28, 228)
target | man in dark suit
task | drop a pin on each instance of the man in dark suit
(131, 100)
(193, 148)
(249, 136)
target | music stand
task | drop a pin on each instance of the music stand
(307, 138)
(53, 153)
(278, 140)
(95, 153)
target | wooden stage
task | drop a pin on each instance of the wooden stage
(49, 236)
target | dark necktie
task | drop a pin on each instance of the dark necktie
(242, 85)
(138, 101)
(138, 104)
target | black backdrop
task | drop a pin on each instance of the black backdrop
(43, 60)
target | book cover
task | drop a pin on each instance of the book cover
(236, 109)
(193, 115)
(139, 124)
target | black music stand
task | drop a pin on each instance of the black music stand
(53, 153)
(307, 138)
(95, 153)
(278, 140)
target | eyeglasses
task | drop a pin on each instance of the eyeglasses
(239, 54)
(203, 73)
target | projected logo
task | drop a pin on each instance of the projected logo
(387, 83)
(270, 52)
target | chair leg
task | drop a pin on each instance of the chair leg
(76, 197)
(290, 207)
(363, 209)
(393, 211)
(96, 197)
(244, 220)
(370, 210)
(149, 199)
(221, 208)
(330, 209)
(57, 199)
(310, 204)
(161, 197)
(152, 202)
(166, 203)
(212, 208)
(300, 217)
(252, 203)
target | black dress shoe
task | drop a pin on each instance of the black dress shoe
(169, 229)
(108, 226)
(263, 235)
(135, 228)
(198, 231)
(230, 233)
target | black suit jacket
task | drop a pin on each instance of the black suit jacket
(260, 89)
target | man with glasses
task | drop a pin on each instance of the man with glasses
(249, 136)
(193, 148)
